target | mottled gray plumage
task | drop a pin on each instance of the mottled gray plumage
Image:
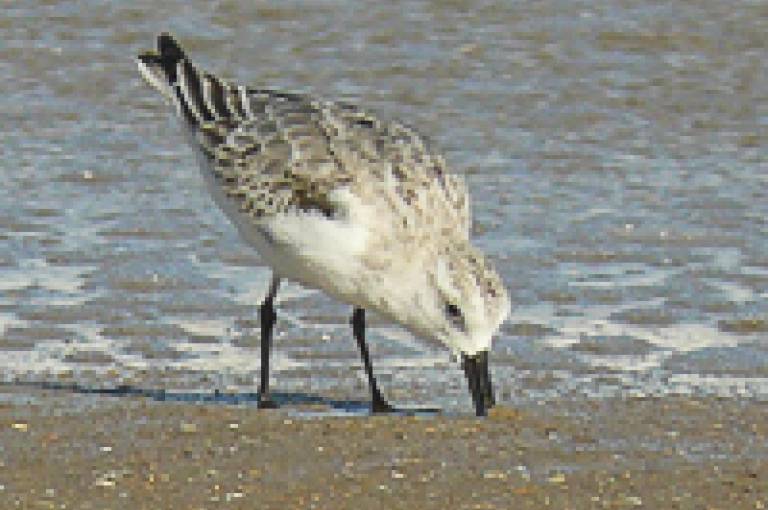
(273, 151)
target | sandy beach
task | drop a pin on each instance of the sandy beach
(63, 450)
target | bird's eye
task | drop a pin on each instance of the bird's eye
(454, 316)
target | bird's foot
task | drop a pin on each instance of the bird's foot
(266, 402)
(381, 406)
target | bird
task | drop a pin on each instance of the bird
(340, 199)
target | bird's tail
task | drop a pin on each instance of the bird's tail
(199, 97)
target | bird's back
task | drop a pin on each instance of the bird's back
(268, 152)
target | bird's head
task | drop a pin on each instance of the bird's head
(469, 300)
(459, 301)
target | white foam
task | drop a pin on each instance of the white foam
(225, 358)
(65, 280)
(663, 341)
(15, 279)
(9, 320)
(219, 328)
(726, 386)
(736, 292)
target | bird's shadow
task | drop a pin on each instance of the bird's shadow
(285, 400)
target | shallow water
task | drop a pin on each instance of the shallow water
(617, 157)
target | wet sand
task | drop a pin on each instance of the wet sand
(64, 450)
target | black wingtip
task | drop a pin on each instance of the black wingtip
(168, 56)
(169, 49)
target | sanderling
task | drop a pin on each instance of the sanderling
(337, 199)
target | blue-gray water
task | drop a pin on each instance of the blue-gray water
(617, 156)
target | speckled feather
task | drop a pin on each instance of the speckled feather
(295, 151)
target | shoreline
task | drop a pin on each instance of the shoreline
(64, 450)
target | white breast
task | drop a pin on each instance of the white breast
(307, 247)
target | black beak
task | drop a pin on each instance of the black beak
(479, 379)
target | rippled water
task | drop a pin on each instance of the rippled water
(617, 157)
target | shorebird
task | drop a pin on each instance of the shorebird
(336, 198)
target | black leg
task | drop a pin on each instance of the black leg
(479, 381)
(268, 316)
(378, 404)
